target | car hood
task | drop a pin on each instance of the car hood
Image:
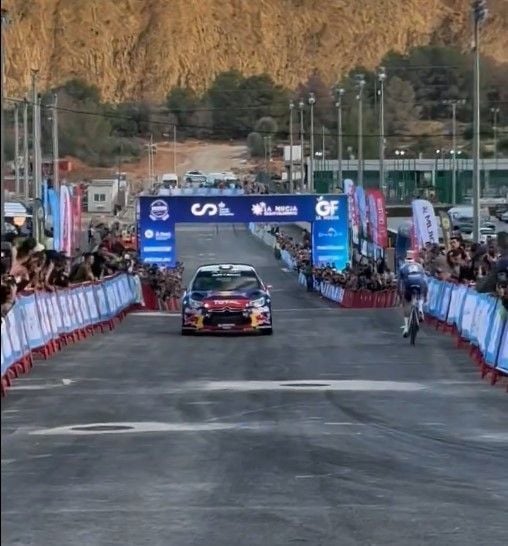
(229, 299)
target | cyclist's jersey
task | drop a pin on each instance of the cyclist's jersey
(412, 274)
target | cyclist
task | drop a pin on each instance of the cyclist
(411, 277)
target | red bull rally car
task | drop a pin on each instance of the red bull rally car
(226, 298)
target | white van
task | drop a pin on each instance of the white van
(169, 180)
(463, 217)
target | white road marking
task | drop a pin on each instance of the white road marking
(36, 387)
(285, 269)
(305, 309)
(67, 382)
(312, 476)
(156, 314)
(136, 428)
(306, 385)
(494, 437)
(345, 424)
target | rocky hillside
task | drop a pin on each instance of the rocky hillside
(137, 49)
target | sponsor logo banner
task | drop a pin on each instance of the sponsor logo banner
(425, 223)
(156, 229)
(330, 234)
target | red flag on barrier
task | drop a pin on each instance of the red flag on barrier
(377, 218)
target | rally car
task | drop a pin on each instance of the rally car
(226, 298)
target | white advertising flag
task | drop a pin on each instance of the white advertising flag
(425, 222)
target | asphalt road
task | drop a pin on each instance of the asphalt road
(333, 431)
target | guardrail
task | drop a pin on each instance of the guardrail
(41, 323)
(478, 321)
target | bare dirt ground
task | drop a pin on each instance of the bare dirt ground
(190, 155)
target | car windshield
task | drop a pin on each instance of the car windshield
(225, 280)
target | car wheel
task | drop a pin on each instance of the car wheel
(186, 332)
(267, 331)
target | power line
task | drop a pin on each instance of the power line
(226, 129)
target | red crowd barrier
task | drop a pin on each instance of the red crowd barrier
(154, 303)
(365, 299)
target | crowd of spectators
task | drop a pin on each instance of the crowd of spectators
(482, 265)
(362, 273)
(28, 266)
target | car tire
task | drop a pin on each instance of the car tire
(267, 331)
(186, 332)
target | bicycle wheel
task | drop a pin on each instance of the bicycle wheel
(413, 325)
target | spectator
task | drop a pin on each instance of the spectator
(84, 271)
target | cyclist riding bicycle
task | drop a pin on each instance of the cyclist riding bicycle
(411, 278)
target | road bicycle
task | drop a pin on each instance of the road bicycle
(414, 315)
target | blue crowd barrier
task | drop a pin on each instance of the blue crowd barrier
(39, 319)
(479, 319)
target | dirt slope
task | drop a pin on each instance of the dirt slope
(141, 48)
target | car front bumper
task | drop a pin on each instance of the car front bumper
(246, 320)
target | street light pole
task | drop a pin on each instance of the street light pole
(56, 163)
(454, 152)
(174, 148)
(26, 161)
(495, 113)
(16, 148)
(301, 106)
(312, 101)
(479, 15)
(4, 23)
(382, 77)
(35, 117)
(291, 107)
(338, 105)
(361, 85)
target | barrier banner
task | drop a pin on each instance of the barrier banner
(39, 318)
(502, 360)
(480, 319)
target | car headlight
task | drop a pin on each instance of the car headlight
(259, 302)
(195, 304)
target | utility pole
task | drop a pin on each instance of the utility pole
(56, 163)
(479, 15)
(35, 117)
(26, 161)
(323, 153)
(495, 114)
(174, 148)
(291, 107)
(301, 106)
(382, 77)
(312, 101)
(16, 148)
(361, 84)
(454, 103)
(4, 23)
(266, 154)
(150, 161)
(454, 152)
(338, 105)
